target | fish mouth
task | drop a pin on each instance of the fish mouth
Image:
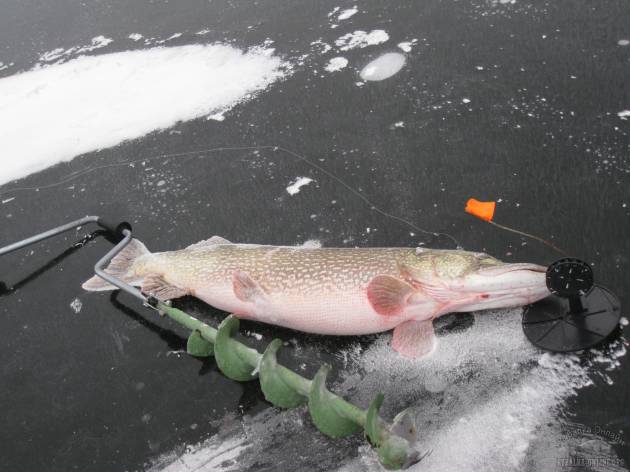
(511, 267)
(506, 285)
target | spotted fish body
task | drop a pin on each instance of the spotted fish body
(337, 291)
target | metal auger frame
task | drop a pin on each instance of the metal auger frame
(331, 414)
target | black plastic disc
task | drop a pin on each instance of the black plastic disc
(569, 277)
(549, 323)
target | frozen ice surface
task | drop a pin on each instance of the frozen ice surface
(485, 400)
(95, 102)
(361, 39)
(383, 67)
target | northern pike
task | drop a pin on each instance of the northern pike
(335, 291)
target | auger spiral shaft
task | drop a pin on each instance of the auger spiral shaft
(331, 414)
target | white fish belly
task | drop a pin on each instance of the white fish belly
(335, 314)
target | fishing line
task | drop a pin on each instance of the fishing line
(485, 211)
(532, 236)
(75, 175)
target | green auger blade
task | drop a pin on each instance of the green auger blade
(272, 383)
(323, 408)
(228, 360)
(397, 450)
(392, 449)
(372, 426)
(394, 454)
(333, 416)
(197, 346)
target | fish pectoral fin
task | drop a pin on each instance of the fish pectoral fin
(438, 292)
(414, 338)
(154, 284)
(245, 288)
(388, 295)
(206, 243)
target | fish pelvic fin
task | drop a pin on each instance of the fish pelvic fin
(414, 339)
(388, 295)
(119, 267)
(245, 288)
(154, 284)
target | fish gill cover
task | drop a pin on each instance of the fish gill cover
(485, 400)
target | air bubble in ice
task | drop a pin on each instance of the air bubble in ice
(383, 67)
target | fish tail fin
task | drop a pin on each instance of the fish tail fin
(120, 267)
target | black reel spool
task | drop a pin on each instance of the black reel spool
(577, 315)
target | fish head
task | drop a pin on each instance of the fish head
(470, 281)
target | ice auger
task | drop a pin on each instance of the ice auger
(396, 443)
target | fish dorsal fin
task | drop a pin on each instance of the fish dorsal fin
(245, 288)
(213, 241)
(414, 338)
(388, 295)
(154, 284)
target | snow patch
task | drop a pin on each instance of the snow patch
(383, 67)
(217, 116)
(336, 64)
(485, 388)
(623, 42)
(76, 305)
(344, 15)
(296, 186)
(407, 45)
(214, 454)
(334, 10)
(321, 46)
(97, 42)
(95, 102)
(361, 39)
(171, 37)
(624, 114)
(135, 36)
